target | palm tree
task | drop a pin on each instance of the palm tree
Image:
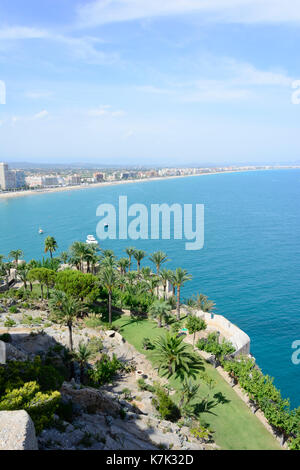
(181, 276)
(109, 279)
(146, 272)
(90, 257)
(139, 255)
(64, 257)
(16, 255)
(158, 258)
(173, 356)
(123, 264)
(65, 310)
(160, 309)
(209, 306)
(171, 280)
(188, 391)
(132, 277)
(82, 356)
(50, 245)
(153, 284)
(78, 251)
(164, 277)
(6, 268)
(22, 272)
(130, 252)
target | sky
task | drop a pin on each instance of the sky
(150, 82)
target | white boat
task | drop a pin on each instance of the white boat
(91, 240)
(41, 231)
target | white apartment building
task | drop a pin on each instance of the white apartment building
(11, 179)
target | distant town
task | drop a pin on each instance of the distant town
(12, 180)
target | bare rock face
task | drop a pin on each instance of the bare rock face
(8, 352)
(90, 398)
(17, 431)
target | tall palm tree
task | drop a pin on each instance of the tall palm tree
(171, 280)
(108, 278)
(173, 357)
(164, 277)
(108, 262)
(78, 251)
(139, 255)
(146, 273)
(130, 252)
(181, 276)
(123, 264)
(158, 258)
(65, 310)
(89, 257)
(50, 245)
(16, 255)
(132, 277)
(153, 284)
(160, 309)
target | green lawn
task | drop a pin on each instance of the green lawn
(234, 426)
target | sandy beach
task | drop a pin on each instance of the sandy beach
(34, 192)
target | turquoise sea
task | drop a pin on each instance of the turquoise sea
(250, 264)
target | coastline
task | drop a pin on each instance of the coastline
(34, 192)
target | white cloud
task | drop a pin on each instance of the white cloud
(41, 115)
(105, 110)
(244, 11)
(37, 95)
(21, 32)
(238, 81)
(84, 48)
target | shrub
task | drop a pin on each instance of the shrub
(40, 406)
(13, 309)
(9, 322)
(212, 345)
(200, 432)
(104, 370)
(93, 322)
(15, 374)
(144, 386)
(95, 346)
(127, 394)
(165, 406)
(267, 397)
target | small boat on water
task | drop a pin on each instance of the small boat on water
(91, 240)
(41, 231)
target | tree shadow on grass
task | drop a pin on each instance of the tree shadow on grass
(205, 406)
(221, 399)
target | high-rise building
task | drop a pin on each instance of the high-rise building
(20, 178)
(7, 177)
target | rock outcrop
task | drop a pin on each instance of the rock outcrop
(17, 431)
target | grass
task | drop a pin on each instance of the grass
(234, 426)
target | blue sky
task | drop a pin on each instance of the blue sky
(149, 81)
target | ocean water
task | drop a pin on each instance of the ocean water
(250, 263)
